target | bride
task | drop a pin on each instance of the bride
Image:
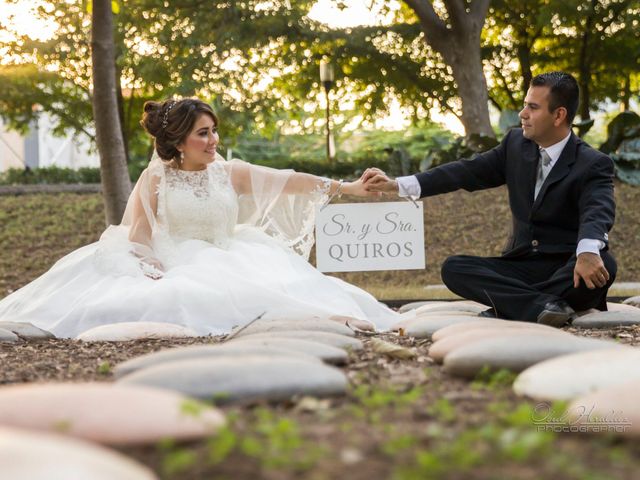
(203, 243)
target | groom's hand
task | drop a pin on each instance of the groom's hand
(590, 268)
(370, 173)
(380, 182)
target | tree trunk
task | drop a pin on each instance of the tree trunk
(626, 94)
(524, 57)
(459, 44)
(585, 65)
(123, 120)
(116, 185)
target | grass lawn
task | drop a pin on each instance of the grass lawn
(39, 229)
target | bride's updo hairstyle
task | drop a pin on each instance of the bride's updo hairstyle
(170, 122)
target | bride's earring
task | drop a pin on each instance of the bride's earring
(181, 159)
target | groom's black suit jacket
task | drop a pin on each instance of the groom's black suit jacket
(575, 202)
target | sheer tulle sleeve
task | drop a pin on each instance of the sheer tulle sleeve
(280, 202)
(131, 247)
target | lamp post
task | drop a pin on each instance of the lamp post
(326, 78)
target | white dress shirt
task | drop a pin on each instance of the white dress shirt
(410, 187)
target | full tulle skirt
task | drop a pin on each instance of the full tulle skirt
(210, 290)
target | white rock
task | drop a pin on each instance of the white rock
(462, 307)
(484, 323)
(28, 455)
(414, 305)
(118, 332)
(309, 325)
(633, 301)
(107, 413)
(308, 346)
(424, 327)
(613, 409)
(313, 352)
(616, 307)
(441, 348)
(339, 341)
(243, 380)
(26, 330)
(515, 353)
(569, 376)
(8, 336)
(612, 319)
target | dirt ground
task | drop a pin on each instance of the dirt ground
(402, 419)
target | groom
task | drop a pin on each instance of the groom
(562, 206)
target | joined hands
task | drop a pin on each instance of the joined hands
(375, 180)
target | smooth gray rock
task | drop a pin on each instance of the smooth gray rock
(26, 330)
(633, 301)
(424, 327)
(440, 349)
(485, 323)
(230, 349)
(307, 346)
(569, 376)
(126, 331)
(413, 305)
(243, 379)
(107, 413)
(608, 319)
(339, 341)
(8, 336)
(516, 353)
(26, 455)
(463, 307)
(618, 405)
(309, 325)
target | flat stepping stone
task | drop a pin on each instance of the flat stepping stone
(440, 349)
(307, 345)
(466, 307)
(618, 405)
(231, 349)
(570, 376)
(633, 301)
(622, 307)
(414, 305)
(26, 330)
(8, 336)
(608, 319)
(515, 353)
(484, 323)
(409, 318)
(332, 339)
(353, 323)
(124, 331)
(423, 327)
(107, 413)
(27, 455)
(243, 380)
(309, 325)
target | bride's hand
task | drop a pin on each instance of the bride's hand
(152, 268)
(358, 189)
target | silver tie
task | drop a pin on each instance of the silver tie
(545, 160)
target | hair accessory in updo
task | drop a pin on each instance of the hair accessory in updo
(165, 119)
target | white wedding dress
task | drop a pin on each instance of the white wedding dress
(221, 263)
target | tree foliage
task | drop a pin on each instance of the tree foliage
(257, 61)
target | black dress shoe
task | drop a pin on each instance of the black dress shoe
(489, 313)
(556, 314)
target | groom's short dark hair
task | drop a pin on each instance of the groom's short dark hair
(563, 91)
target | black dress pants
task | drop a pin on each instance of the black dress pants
(519, 287)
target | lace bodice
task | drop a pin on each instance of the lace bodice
(198, 205)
